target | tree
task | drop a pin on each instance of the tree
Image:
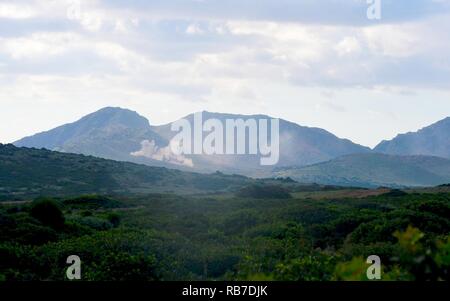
(114, 219)
(48, 213)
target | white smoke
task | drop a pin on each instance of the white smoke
(150, 150)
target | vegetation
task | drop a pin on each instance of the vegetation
(28, 173)
(372, 170)
(264, 192)
(133, 222)
(48, 213)
(240, 236)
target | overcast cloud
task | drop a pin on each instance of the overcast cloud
(318, 63)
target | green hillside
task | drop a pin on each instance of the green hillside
(26, 172)
(268, 229)
(371, 170)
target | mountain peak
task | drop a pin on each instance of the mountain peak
(116, 115)
(113, 110)
(103, 124)
(224, 116)
(433, 140)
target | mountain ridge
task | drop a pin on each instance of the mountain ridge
(373, 170)
(110, 133)
(124, 135)
(432, 140)
(138, 141)
(299, 145)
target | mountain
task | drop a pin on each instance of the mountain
(433, 140)
(27, 173)
(120, 134)
(111, 133)
(299, 145)
(306, 154)
(372, 170)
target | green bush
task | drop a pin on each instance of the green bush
(121, 266)
(114, 219)
(48, 213)
(264, 192)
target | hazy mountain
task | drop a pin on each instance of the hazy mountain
(28, 172)
(124, 135)
(120, 134)
(369, 170)
(433, 140)
(299, 145)
(111, 133)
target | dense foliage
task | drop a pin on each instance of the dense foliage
(314, 236)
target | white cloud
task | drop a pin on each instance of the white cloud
(194, 29)
(38, 45)
(393, 41)
(14, 11)
(348, 46)
(178, 58)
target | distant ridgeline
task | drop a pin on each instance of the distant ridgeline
(124, 135)
(374, 170)
(306, 154)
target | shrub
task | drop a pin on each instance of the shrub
(264, 192)
(92, 202)
(114, 219)
(48, 213)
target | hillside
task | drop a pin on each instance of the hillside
(28, 172)
(371, 170)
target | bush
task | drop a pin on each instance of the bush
(122, 266)
(95, 223)
(114, 219)
(48, 213)
(264, 192)
(92, 202)
(317, 267)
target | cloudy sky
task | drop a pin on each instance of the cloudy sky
(319, 63)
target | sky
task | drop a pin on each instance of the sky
(319, 63)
